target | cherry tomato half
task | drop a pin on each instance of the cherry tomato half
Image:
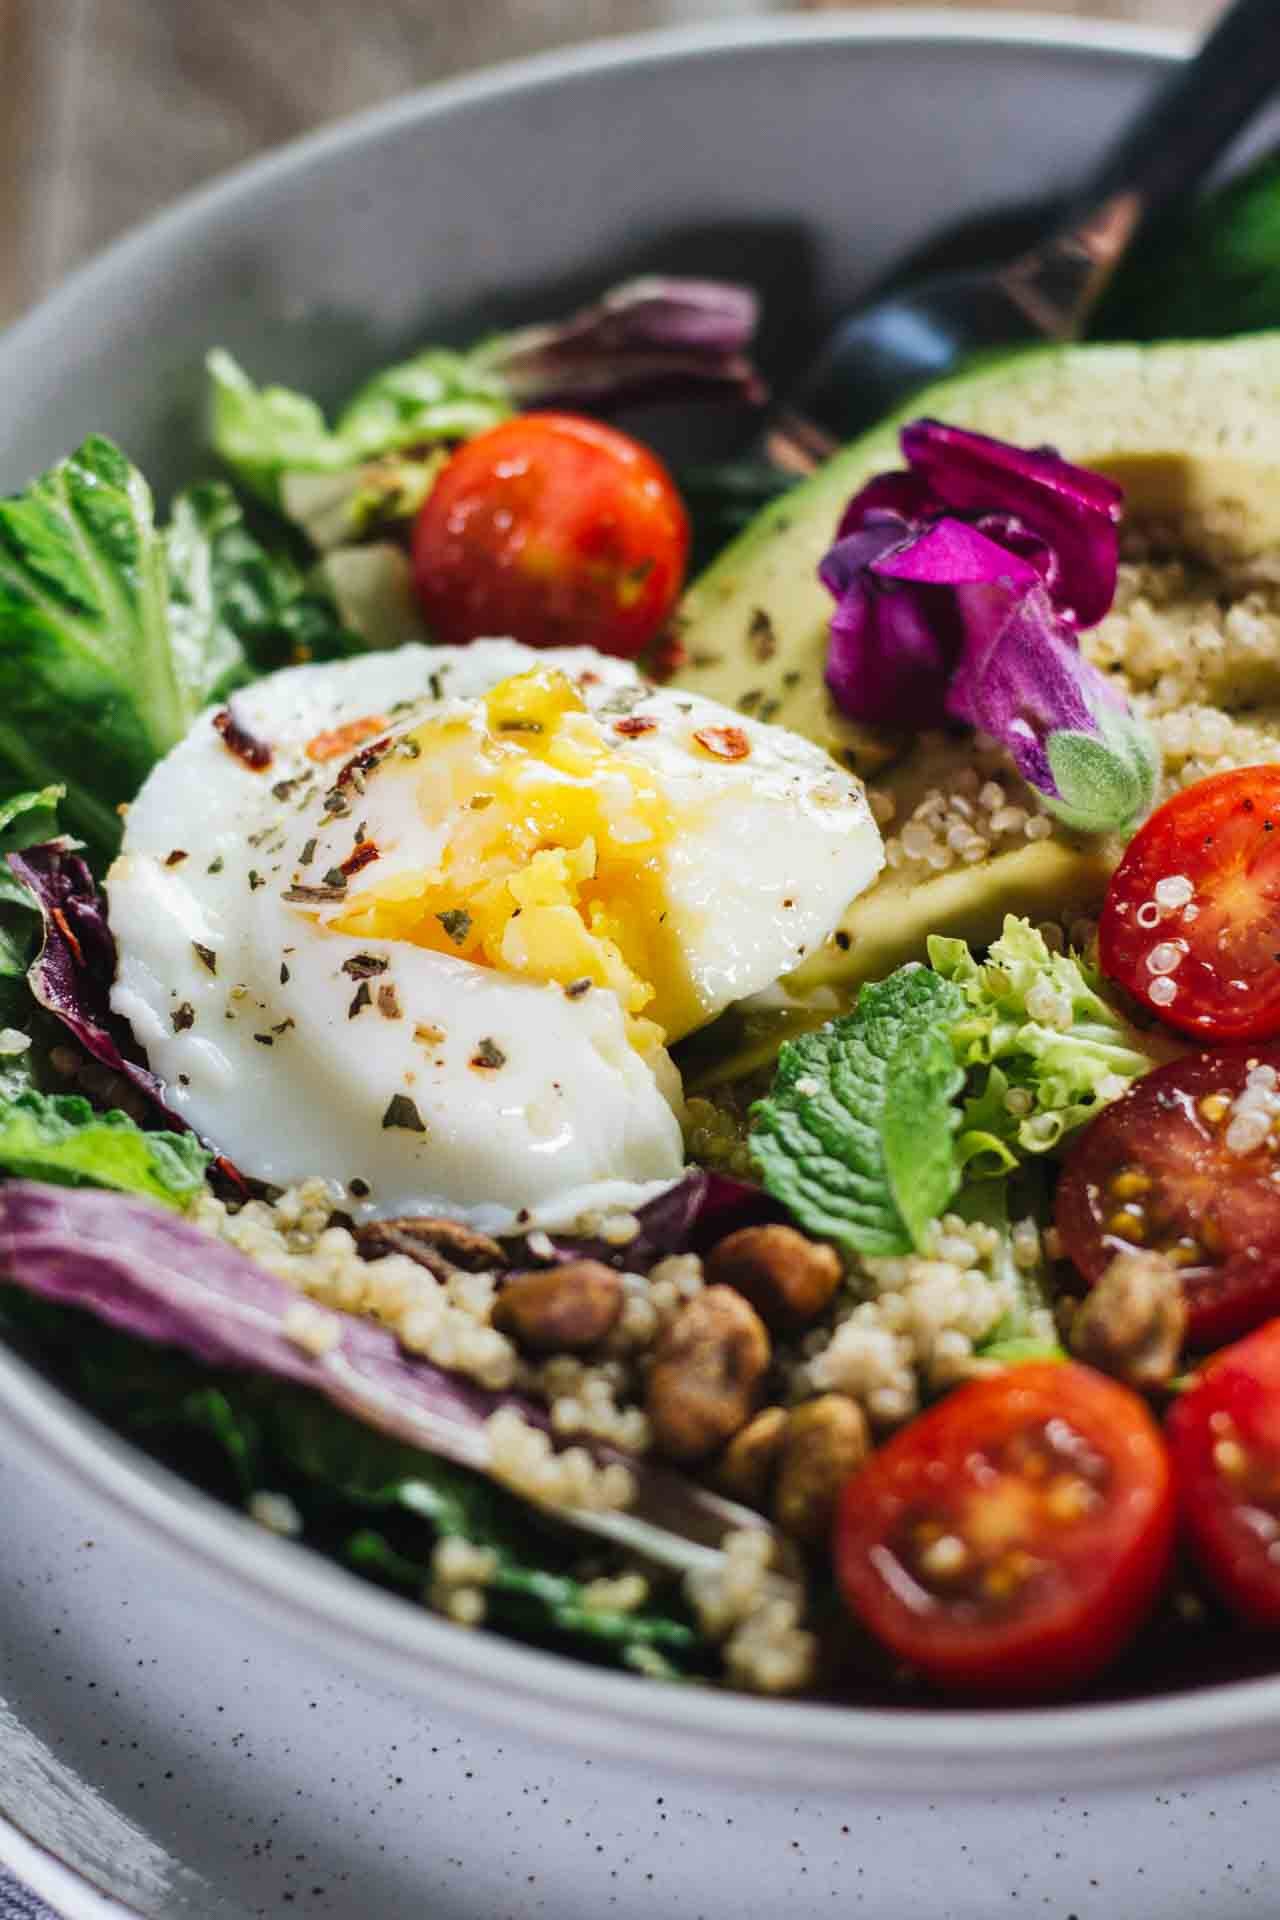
(1010, 1540)
(1191, 924)
(555, 529)
(1161, 1169)
(1224, 1437)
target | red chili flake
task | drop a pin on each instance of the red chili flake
(230, 1172)
(358, 857)
(61, 922)
(634, 725)
(328, 746)
(176, 858)
(255, 754)
(724, 743)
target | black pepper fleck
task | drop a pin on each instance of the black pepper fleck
(360, 1000)
(206, 955)
(183, 1017)
(456, 923)
(488, 1055)
(401, 1112)
(363, 966)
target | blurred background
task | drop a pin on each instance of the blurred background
(112, 107)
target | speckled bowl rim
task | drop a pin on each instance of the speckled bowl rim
(741, 1739)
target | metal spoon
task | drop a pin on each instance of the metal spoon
(885, 351)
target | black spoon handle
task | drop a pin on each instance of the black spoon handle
(1198, 112)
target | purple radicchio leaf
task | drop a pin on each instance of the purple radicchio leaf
(688, 1218)
(649, 339)
(146, 1271)
(71, 975)
(960, 588)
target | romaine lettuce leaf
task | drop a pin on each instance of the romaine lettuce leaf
(233, 598)
(25, 818)
(93, 687)
(60, 1138)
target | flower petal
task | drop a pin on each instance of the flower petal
(1074, 511)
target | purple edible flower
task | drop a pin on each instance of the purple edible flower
(961, 587)
(648, 339)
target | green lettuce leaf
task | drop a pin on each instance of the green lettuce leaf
(93, 688)
(1042, 1049)
(230, 596)
(61, 1138)
(357, 503)
(857, 1137)
(1026, 1331)
(438, 395)
(266, 433)
(26, 819)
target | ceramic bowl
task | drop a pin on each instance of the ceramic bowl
(804, 156)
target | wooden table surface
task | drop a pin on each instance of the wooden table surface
(113, 107)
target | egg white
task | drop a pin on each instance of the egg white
(256, 1038)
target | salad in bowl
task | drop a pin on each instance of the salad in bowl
(729, 1129)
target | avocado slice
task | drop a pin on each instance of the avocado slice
(1190, 430)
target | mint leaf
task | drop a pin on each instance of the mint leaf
(61, 1138)
(857, 1135)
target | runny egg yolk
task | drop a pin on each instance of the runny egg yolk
(555, 858)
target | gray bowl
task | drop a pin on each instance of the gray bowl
(803, 156)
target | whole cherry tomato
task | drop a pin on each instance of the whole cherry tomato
(1191, 924)
(1011, 1539)
(1187, 1163)
(556, 530)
